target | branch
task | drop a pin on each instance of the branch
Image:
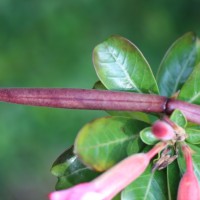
(98, 100)
(83, 99)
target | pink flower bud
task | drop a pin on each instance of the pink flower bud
(162, 130)
(83, 191)
(110, 183)
(188, 187)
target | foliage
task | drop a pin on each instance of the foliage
(103, 142)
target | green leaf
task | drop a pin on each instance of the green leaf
(190, 91)
(134, 115)
(198, 52)
(121, 66)
(118, 197)
(99, 86)
(195, 159)
(103, 142)
(70, 170)
(147, 136)
(173, 179)
(177, 64)
(135, 147)
(193, 135)
(179, 118)
(150, 185)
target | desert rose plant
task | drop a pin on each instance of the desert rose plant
(148, 148)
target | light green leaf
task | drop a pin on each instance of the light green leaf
(134, 115)
(190, 91)
(149, 186)
(70, 170)
(147, 136)
(179, 118)
(177, 64)
(121, 66)
(103, 142)
(193, 135)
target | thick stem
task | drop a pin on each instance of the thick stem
(98, 100)
(191, 111)
(84, 99)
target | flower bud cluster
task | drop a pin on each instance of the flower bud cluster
(114, 180)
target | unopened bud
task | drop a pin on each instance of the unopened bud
(162, 130)
(188, 186)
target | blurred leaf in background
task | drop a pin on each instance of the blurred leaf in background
(47, 43)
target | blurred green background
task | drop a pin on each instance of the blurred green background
(48, 43)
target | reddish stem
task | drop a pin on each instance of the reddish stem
(98, 100)
(84, 99)
(191, 111)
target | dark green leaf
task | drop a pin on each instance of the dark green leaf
(99, 86)
(135, 146)
(121, 66)
(178, 117)
(70, 170)
(147, 136)
(193, 135)
(177, 64)
(103, 142)
(173, 178)
(150, 185)
(190, 91)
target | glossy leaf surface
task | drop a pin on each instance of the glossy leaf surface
(103, 142)
(178, 117)
(177, 64)
(70, 170)
(190, 91)
(121, 66)
(147, 136)
(150, 185)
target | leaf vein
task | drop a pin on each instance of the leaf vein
(121, 65)
(121, 140)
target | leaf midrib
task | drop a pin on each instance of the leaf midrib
(121, 140)
(148, 186)
(181, 73)
(194, 98)
(132, 83)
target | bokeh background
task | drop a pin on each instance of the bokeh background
(48, 43)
